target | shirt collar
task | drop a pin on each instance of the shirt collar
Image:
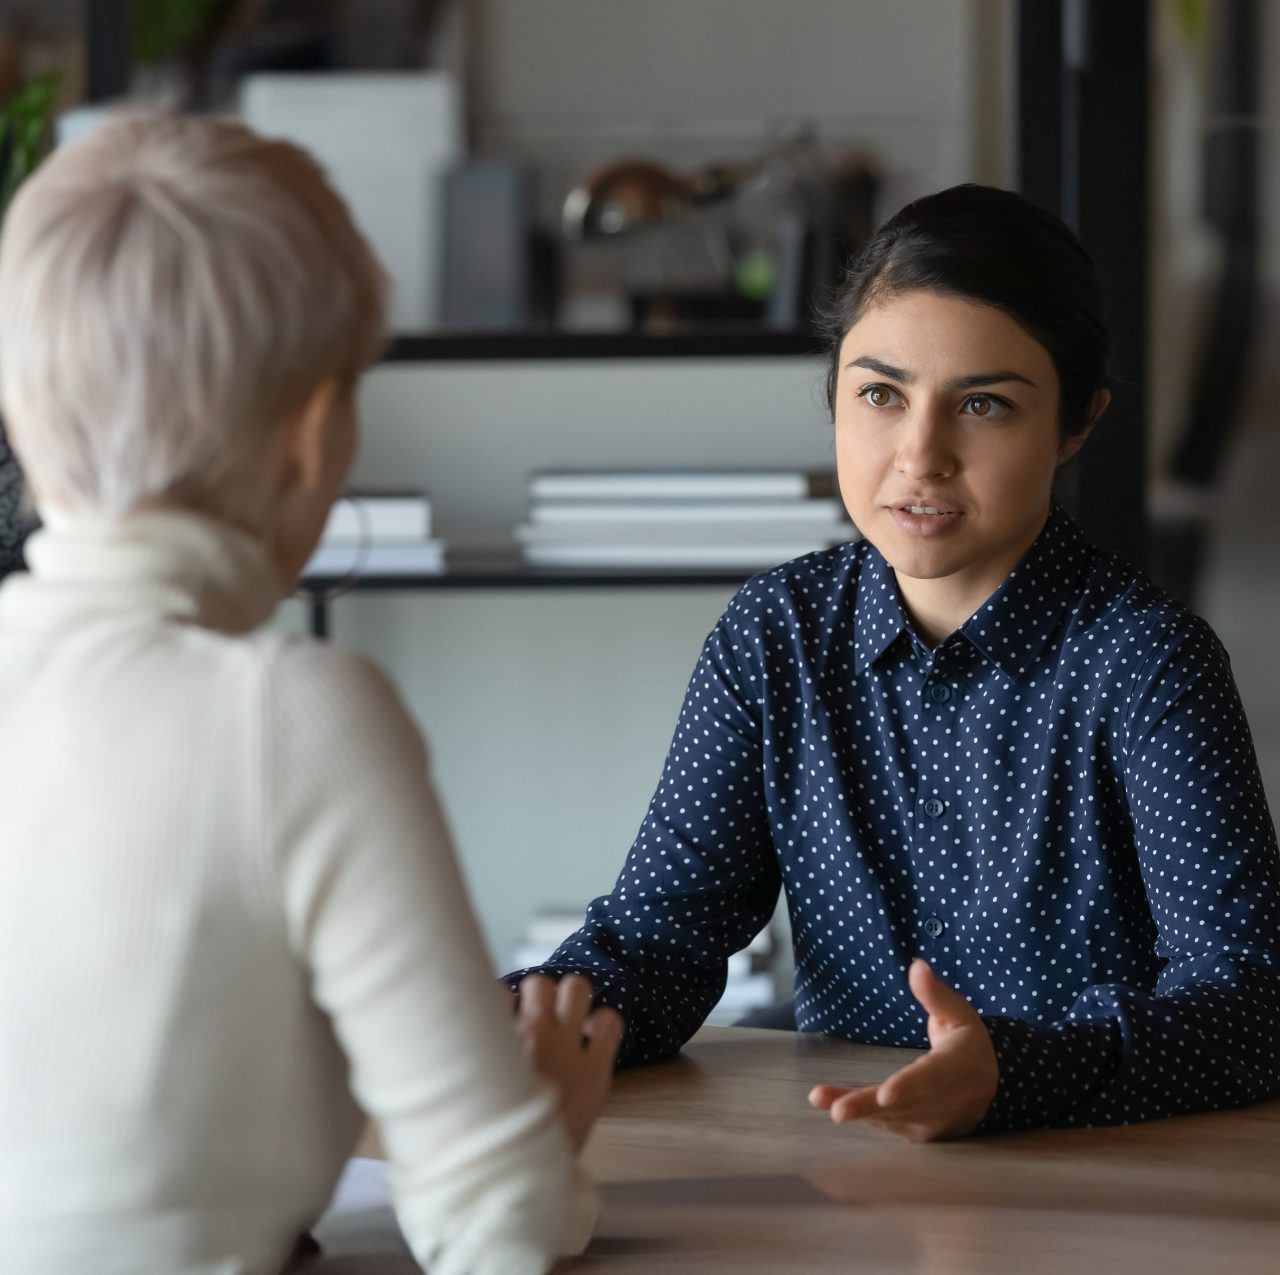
(1014, 625)
(1011, 628)
(878, 618)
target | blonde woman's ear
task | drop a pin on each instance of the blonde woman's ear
(306, 440)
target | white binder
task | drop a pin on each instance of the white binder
(385, 139)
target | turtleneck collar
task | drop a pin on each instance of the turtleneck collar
(165, 563)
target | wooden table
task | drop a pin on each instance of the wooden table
(714, 1163)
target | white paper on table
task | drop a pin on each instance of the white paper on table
(362, 1186)
(360, 1219)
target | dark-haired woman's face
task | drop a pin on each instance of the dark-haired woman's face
(947, 440)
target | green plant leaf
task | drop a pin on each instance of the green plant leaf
(162, 27)
(24, 122)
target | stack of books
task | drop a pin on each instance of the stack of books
(378, 533)
(679, 518)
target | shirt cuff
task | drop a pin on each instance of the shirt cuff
(1048, 1072)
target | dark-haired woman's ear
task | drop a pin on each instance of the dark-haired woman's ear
(1074, 442)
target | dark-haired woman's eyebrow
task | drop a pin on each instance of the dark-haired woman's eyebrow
(980, 379)
(884, 369)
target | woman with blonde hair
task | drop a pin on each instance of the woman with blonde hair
(231, 922)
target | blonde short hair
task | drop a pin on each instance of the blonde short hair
(171, 289)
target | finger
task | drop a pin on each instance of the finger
(939, 1000)
(537, 996)
(529, 1032)
(603, 1030)
(857, 1104)
(901, 1105)
(822, 1096)
(573, 998)
(911, 1085)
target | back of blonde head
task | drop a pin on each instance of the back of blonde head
(171, 289)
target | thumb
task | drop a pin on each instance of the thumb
(940, 1001)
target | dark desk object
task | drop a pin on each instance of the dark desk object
(777, 1018)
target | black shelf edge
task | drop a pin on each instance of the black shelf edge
(720, 343)
(511, 573)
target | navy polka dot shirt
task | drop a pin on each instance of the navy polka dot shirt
(1058, 807)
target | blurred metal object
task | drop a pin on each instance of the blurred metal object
(623, 196)
(765, 239)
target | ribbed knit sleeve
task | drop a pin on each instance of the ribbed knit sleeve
(482, 1174)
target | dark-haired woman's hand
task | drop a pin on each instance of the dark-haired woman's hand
(571, 1044)
(944, 1094)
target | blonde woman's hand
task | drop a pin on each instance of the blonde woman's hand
(570, 1044)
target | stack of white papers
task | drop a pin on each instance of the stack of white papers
(674, 518)
(360, 1224)
(378, 534)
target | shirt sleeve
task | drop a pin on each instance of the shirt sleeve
(1208, 1034)
(701, 879)
(480, 1167)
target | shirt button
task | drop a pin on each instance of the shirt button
(939, 693)
(934, 807)
(933, 927)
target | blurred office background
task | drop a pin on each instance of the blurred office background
(610, 227)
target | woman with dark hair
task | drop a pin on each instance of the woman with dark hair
(1006, 783)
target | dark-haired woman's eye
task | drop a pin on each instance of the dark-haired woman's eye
(987, 405)
(879, 395)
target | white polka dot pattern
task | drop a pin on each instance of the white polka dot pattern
(1059, 807)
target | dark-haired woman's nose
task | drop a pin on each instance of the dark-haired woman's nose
(923, 450)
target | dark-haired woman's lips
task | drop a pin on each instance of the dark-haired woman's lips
(924, 517)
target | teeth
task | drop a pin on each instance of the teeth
(923, 509)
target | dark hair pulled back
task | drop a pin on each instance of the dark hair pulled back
(996, 248)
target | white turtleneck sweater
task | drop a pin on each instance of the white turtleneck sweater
(230, 920)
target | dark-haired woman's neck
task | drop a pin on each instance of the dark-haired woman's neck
(938, 607)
